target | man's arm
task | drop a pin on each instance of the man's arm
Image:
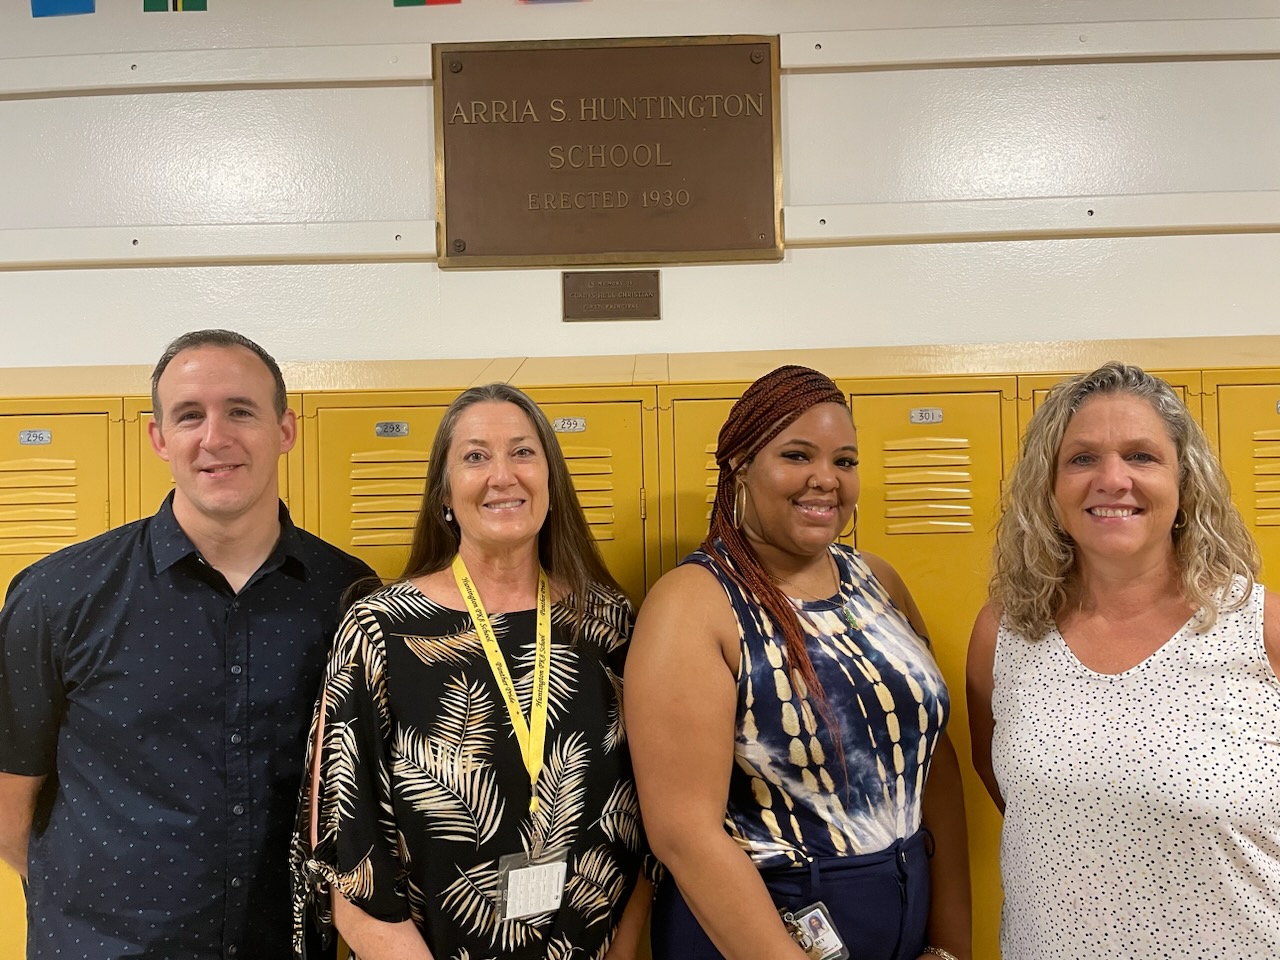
(17, 807)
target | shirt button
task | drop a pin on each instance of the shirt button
(236, 738)
(236, 882)
(237, 669)
(238, 809)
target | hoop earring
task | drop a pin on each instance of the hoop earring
(1180, 519)
(448, 515)
(739, 503)
(853, 526)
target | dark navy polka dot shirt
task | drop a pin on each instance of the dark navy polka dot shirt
(169, 715)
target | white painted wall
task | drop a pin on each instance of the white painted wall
(962, 116)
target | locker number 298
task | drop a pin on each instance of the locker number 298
(926, 415)
(391, 428)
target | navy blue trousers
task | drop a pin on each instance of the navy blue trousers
(879, 903)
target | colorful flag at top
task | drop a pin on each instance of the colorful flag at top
(165, 6)
(422, 3)
(60, 8)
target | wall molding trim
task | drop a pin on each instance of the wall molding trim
(233, 243)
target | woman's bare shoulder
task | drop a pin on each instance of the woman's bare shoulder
(987, 623)
(686, 603)
(687, 581)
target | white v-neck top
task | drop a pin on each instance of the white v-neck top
(1142, 808)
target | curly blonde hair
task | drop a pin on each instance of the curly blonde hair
(1034, 561)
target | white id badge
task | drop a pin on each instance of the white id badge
(812, 929)
(528, 886)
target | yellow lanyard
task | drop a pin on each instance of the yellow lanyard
(531, 735)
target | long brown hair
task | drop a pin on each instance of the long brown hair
(763, 412)
(565, 547)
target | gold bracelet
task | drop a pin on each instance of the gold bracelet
(939, 952)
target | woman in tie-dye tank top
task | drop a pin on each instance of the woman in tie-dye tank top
(787, 719)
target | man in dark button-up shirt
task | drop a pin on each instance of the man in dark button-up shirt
(156, 683)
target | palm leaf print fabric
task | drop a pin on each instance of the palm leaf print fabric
(794, 794)
(422, 788)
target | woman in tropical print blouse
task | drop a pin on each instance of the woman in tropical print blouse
(471, 793)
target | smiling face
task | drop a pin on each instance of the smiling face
(802, 486)
(498, 478)
(219, 432)
(1116, 491)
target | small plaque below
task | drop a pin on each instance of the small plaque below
(611, 295)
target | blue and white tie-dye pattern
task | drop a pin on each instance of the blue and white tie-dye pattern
(792, 795)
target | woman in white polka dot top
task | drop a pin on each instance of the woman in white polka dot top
(1123, 690)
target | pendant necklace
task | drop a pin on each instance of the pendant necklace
(841, 603)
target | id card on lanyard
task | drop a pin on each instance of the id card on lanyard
(527, 885)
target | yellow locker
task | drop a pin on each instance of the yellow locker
(933, 455)
(689, 426)
(1245, 424)
(1033, 389)
(147, 477)
(366, 461)
(603, 431)
(60, 476)
(60, 482)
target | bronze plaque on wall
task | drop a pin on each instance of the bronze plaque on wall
(611, 295)
(562, 152)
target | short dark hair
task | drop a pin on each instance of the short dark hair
(217, 338)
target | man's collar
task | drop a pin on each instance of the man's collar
(170, 543)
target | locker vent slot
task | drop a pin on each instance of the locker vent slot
(713, 479)
(592, 472)
(386, 492)
(928, 486)
(1266, 473)
(40, 506)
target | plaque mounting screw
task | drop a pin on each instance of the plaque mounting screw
(455, 66)
(757, 56)
(459, 246)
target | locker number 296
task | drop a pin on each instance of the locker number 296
(35, 438)
(926, 415)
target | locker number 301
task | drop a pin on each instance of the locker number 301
(926, 415)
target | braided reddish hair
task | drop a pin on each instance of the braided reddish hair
(764, 411)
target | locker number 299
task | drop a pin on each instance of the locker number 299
(926, 415)
(569, 424)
